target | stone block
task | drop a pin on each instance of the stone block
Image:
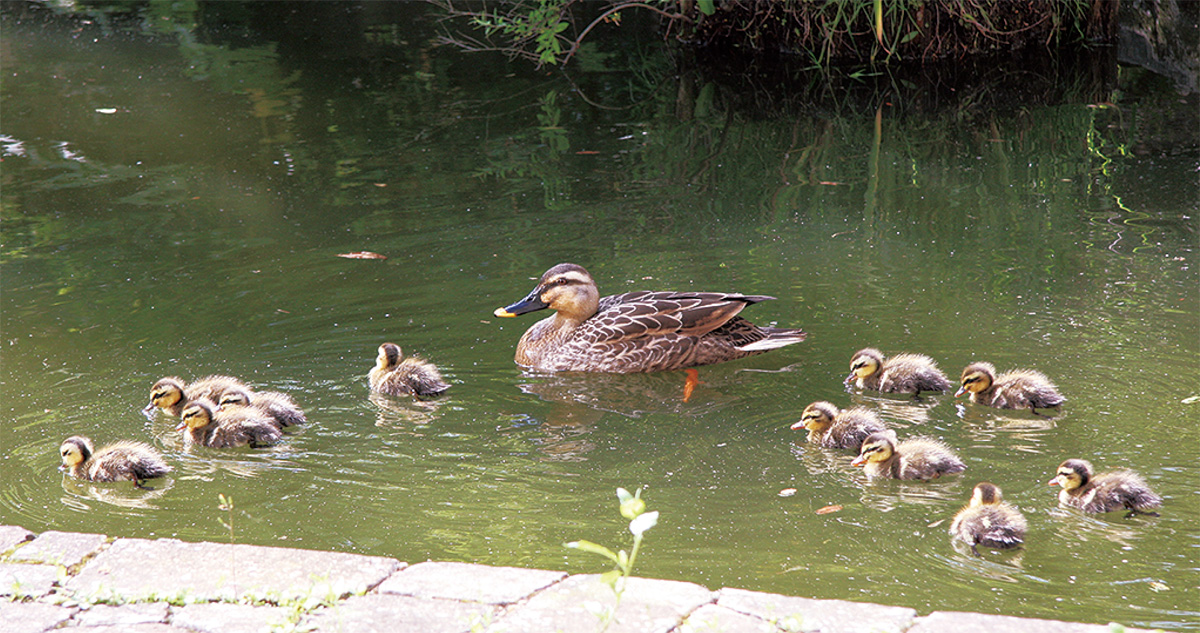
(956, 622)
(124, 615)
(17, 579)
(224, 617)
(716, 619)
(32, 617)
(464, 581)
(59, 548)
(390, 613)
(12, 536)
(829, 616)
(577, 605)
(169, 570)
(137, 628)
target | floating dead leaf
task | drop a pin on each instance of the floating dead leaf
(936, 523)
(362, 255)
(829, 509)
(787, 492)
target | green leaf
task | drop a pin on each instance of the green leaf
(610, 578)
(644, 522)
(706, 7)
(623, 495)
(594, 548)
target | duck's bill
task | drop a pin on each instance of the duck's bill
(181, 426)
(960, 392)
(532, 303)
(798, 425)
(859, 461)
(1052, 482)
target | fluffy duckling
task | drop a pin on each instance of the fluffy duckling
(202, 424)
(987, 520)
(1104, 492)
(902, 373)
(1017, 389)
(398, 376)
(171, 394)
(278, 406)
(831, 428)
(120, 461)
(919, 458)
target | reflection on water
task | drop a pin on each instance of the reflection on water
(119, 494)
(398, 412)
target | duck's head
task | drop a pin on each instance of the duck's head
(976, 377)
(816, 417)
(566, 288)
(864, 363)
(878, 447)
(196, 415)
(389, 356)
(74, 451)
(234, 398)
(165, 393)
(1072, 474)
(986, 494)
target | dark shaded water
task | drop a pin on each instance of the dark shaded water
(174, 200)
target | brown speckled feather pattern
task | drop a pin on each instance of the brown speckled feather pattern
(647, 331)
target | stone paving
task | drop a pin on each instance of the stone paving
(59, 580)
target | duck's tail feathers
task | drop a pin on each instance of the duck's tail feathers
(775, 338)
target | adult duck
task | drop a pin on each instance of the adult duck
(636, 331)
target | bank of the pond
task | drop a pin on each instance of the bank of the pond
(59, 580)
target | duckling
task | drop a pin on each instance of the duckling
(171, 393)
(1017, 389)
(204, 425)
(987, 520)
(831, 428)
(919, 458)
(398, 376)
(278, 406)
(1104, 492)
(902, 373)
(120, 461)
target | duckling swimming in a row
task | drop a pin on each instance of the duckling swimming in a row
(987, 520)
(205, 425)
(634, 332)
(1117, 489)
(278, 406)
(831, 428)
(1017, 389)
(119, 461)
(171, 394)
(396, 375)
(883, 456)
(902, 373)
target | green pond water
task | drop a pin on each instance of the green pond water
(175, 198)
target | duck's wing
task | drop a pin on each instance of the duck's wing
(635, 315)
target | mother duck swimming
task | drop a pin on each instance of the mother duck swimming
(637, 331)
